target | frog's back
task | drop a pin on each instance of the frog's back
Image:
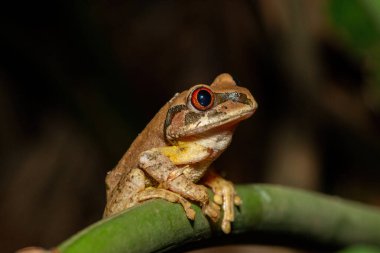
(151, 137)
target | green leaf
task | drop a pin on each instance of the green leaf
(158, 225)
(361, 249)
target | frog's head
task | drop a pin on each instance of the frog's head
(203, 108)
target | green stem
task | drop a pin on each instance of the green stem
(159, 225)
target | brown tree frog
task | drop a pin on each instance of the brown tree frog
(170, 159)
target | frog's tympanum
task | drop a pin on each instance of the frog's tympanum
(170, 159)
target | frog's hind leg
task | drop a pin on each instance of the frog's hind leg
(151, 193)
(131, 191)
(124, 194)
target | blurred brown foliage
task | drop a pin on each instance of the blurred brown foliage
(79, 80)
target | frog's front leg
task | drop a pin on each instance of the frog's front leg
(151, 193)
(224, 195)
(161, 164)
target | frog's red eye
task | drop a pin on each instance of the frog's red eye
(202, 98)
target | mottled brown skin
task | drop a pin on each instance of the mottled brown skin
(176, 149)
(152, 136)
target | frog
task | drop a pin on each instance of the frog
(172, 157)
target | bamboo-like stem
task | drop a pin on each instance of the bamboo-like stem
(158, 225)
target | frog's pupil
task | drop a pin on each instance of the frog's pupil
(204, 98)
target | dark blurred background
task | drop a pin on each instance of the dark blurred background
(80, 79)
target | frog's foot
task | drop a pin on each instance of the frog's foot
(212, 210)
(151, 193)
(179, 183)
(224, 195)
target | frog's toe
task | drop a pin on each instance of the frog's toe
(212, 210)
(237, 200)
(218, 199)
(226, 226)
(190, 213)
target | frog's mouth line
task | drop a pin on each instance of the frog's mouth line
(222, 123)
